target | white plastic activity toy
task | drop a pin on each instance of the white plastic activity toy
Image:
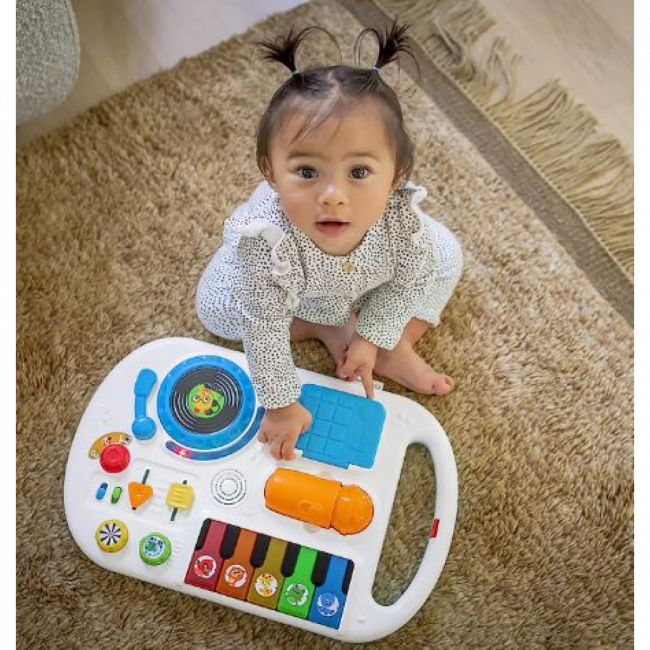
(166, 482)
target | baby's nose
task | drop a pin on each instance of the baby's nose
(333, 195)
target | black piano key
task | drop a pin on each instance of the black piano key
(260, 550)
(229, 541)
(347, 577)
(320, 568)
(290, 559)
(202, 535)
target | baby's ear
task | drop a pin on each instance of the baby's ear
(268, 174)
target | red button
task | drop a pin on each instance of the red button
(114, 458)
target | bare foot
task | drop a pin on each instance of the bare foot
(335, 339)
(405, 366)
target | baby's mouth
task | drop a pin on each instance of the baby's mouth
(332, 227)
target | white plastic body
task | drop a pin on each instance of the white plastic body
(112, 409)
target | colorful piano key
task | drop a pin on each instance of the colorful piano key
(270, 572)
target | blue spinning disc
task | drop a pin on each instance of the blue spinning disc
(206, 403)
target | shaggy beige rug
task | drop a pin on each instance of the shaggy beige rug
(117, 216)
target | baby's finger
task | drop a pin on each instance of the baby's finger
(262, 436)
(369, 386)
(276, 449)
(287, 449)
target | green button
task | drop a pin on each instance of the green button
(298, 589)
(155, 549)
(117, 493)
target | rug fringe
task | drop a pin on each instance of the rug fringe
(592, 171)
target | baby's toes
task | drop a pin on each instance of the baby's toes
(442, 384)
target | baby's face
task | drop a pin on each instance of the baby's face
(334, 183)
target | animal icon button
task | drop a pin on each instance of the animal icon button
(155, 549)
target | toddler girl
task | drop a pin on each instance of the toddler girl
(333, 244)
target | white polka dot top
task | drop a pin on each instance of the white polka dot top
(268, 271)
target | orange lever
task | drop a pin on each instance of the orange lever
(139, 493)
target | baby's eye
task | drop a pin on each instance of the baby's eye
(306, 172)
(360, 172)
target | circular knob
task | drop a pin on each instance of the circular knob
(155, 549)
(114, 458)
(111, 535)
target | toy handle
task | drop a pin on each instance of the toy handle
(385, 619)
(143, 427)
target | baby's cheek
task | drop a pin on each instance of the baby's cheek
(370, 215)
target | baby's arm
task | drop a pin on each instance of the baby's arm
(276, 382)
(422, 284)
(266, 323)
(387, 310)
(381, 323)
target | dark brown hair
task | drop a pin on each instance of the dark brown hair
(322, 92)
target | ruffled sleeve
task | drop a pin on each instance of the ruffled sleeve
(268, 300)
(391, 306)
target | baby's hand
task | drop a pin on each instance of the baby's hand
(281, 428)
(359, 362)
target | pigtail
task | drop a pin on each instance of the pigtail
(392, 42)
(283, 47)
